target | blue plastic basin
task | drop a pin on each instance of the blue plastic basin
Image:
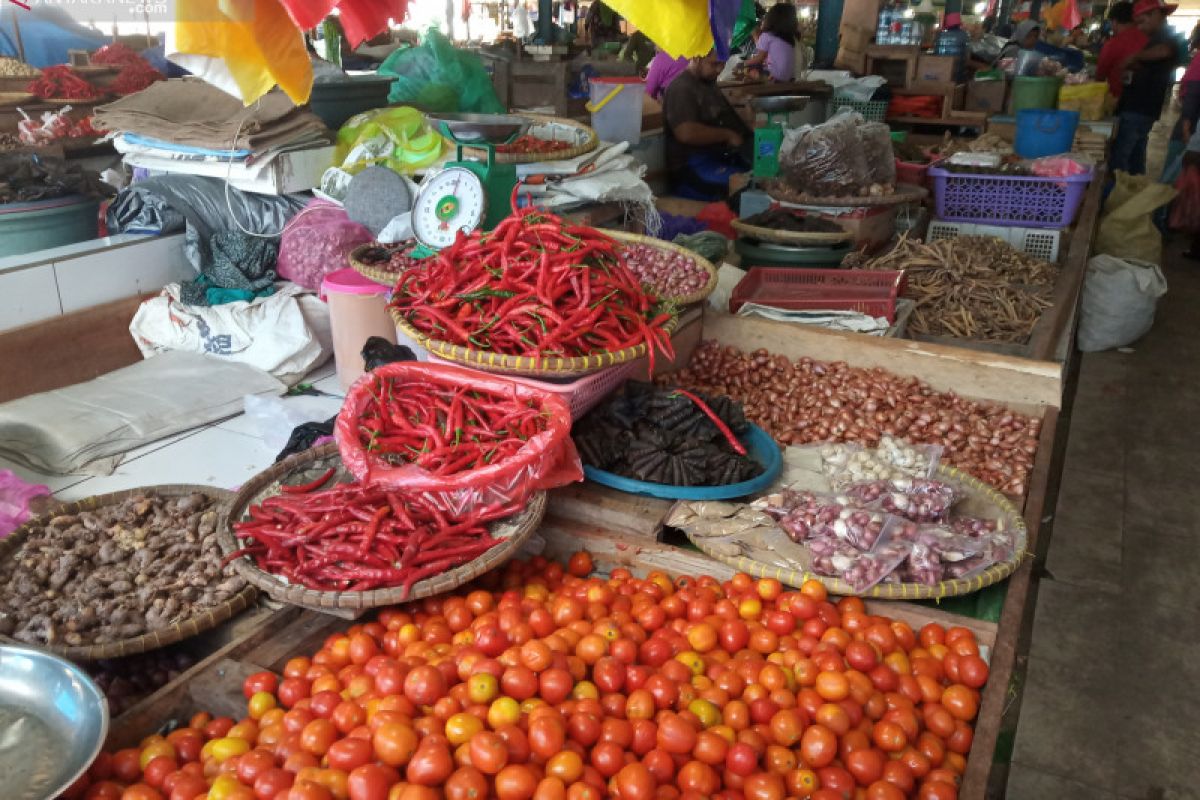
(759, 446)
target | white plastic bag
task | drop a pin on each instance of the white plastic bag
(1119, 297)
(270, 333)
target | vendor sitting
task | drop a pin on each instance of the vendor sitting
(707, 142)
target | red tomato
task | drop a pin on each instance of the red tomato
(260, 682)
(424, 685)
(271, 782)
(371, 782)
(635, 782)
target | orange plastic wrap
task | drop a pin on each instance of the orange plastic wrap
(547, 459)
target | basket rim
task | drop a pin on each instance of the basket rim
(942, 172)
(151, 640)
(522, 365)
(787, 237)
(904, 193)
(704, 263)
(590, 143)
(901, 591)
(386, 278)
(525, 521)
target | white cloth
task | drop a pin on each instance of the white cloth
(270, 333)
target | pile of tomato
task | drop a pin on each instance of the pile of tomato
(560, 686)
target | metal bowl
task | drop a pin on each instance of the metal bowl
(779, 104)
(480, 128)
(53, 720)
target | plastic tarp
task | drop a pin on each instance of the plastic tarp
(360, 19)
(47, 33)
(201, 206)
(679, 27)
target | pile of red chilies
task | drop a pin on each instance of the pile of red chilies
(445, 429)
(534, 286)
(135, 77)
(62, 82)
(531, 144)
(354, 538)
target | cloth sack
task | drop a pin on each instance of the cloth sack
(1127, 228)
(269, 333)
(1119, 298)
(88, 427)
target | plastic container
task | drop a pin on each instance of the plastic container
(337, 101)
(780, 255)
(1040, 242)
(357, 311)
(581, 394)
(908, 172)
(1008, 200)
(28, 227)
(1034, 92)
(759, 446)
(871, 110)
(616, 108)
(1044, 132)
(871, 292)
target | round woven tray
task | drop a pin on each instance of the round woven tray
(376, 272)
(978, 494)
(905, 193)
(704, 263)
(16, 98)
(589, 143)
(152, 640)
(310, 465)
(789, 237)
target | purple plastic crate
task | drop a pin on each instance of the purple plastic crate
(1008, 199)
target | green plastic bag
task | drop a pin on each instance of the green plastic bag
(412, 143)
(437, 77)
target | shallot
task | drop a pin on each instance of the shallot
(667, 272)
(916, 499)
(806, 401)
(837, 559)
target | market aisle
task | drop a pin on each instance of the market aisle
(1112, 693)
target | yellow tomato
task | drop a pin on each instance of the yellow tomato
(503, 711)
(224, 786)
(155, 749)
(461, 727)
(585, 690)
(228, 747)
(692, 660)
(706, 711)
(483, 688)
(260, 703)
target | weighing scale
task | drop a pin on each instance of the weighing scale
(464, 196)
(467, 195)
(769, 137)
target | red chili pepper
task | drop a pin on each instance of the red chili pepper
(305, 488)
(737, 446)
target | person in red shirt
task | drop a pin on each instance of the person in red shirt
(1126, 41)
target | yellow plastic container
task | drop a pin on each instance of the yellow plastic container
(1086, 98)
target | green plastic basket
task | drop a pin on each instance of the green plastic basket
(871, 110)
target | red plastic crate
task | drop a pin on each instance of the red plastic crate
(871, 292)
(916, 174)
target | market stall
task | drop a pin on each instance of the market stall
(625, 495)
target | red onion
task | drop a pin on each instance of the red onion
(667, 272)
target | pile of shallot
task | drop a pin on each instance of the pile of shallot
(808, 401)
(668, 272)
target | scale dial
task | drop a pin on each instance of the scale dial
(453, 200)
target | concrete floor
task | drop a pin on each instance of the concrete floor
(1111, 705)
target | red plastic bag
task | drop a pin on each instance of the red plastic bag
(718, 217)
(1185, 211)
(545, 461)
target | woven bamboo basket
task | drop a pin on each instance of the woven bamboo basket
(376, 272)
(980, 500)
(310, 465)
(152, 640)
(15, 98)
(905, 193)
(531, 366)
(789, 237)
(704, 263)
(588, 141)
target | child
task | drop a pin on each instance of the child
(777, 43)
